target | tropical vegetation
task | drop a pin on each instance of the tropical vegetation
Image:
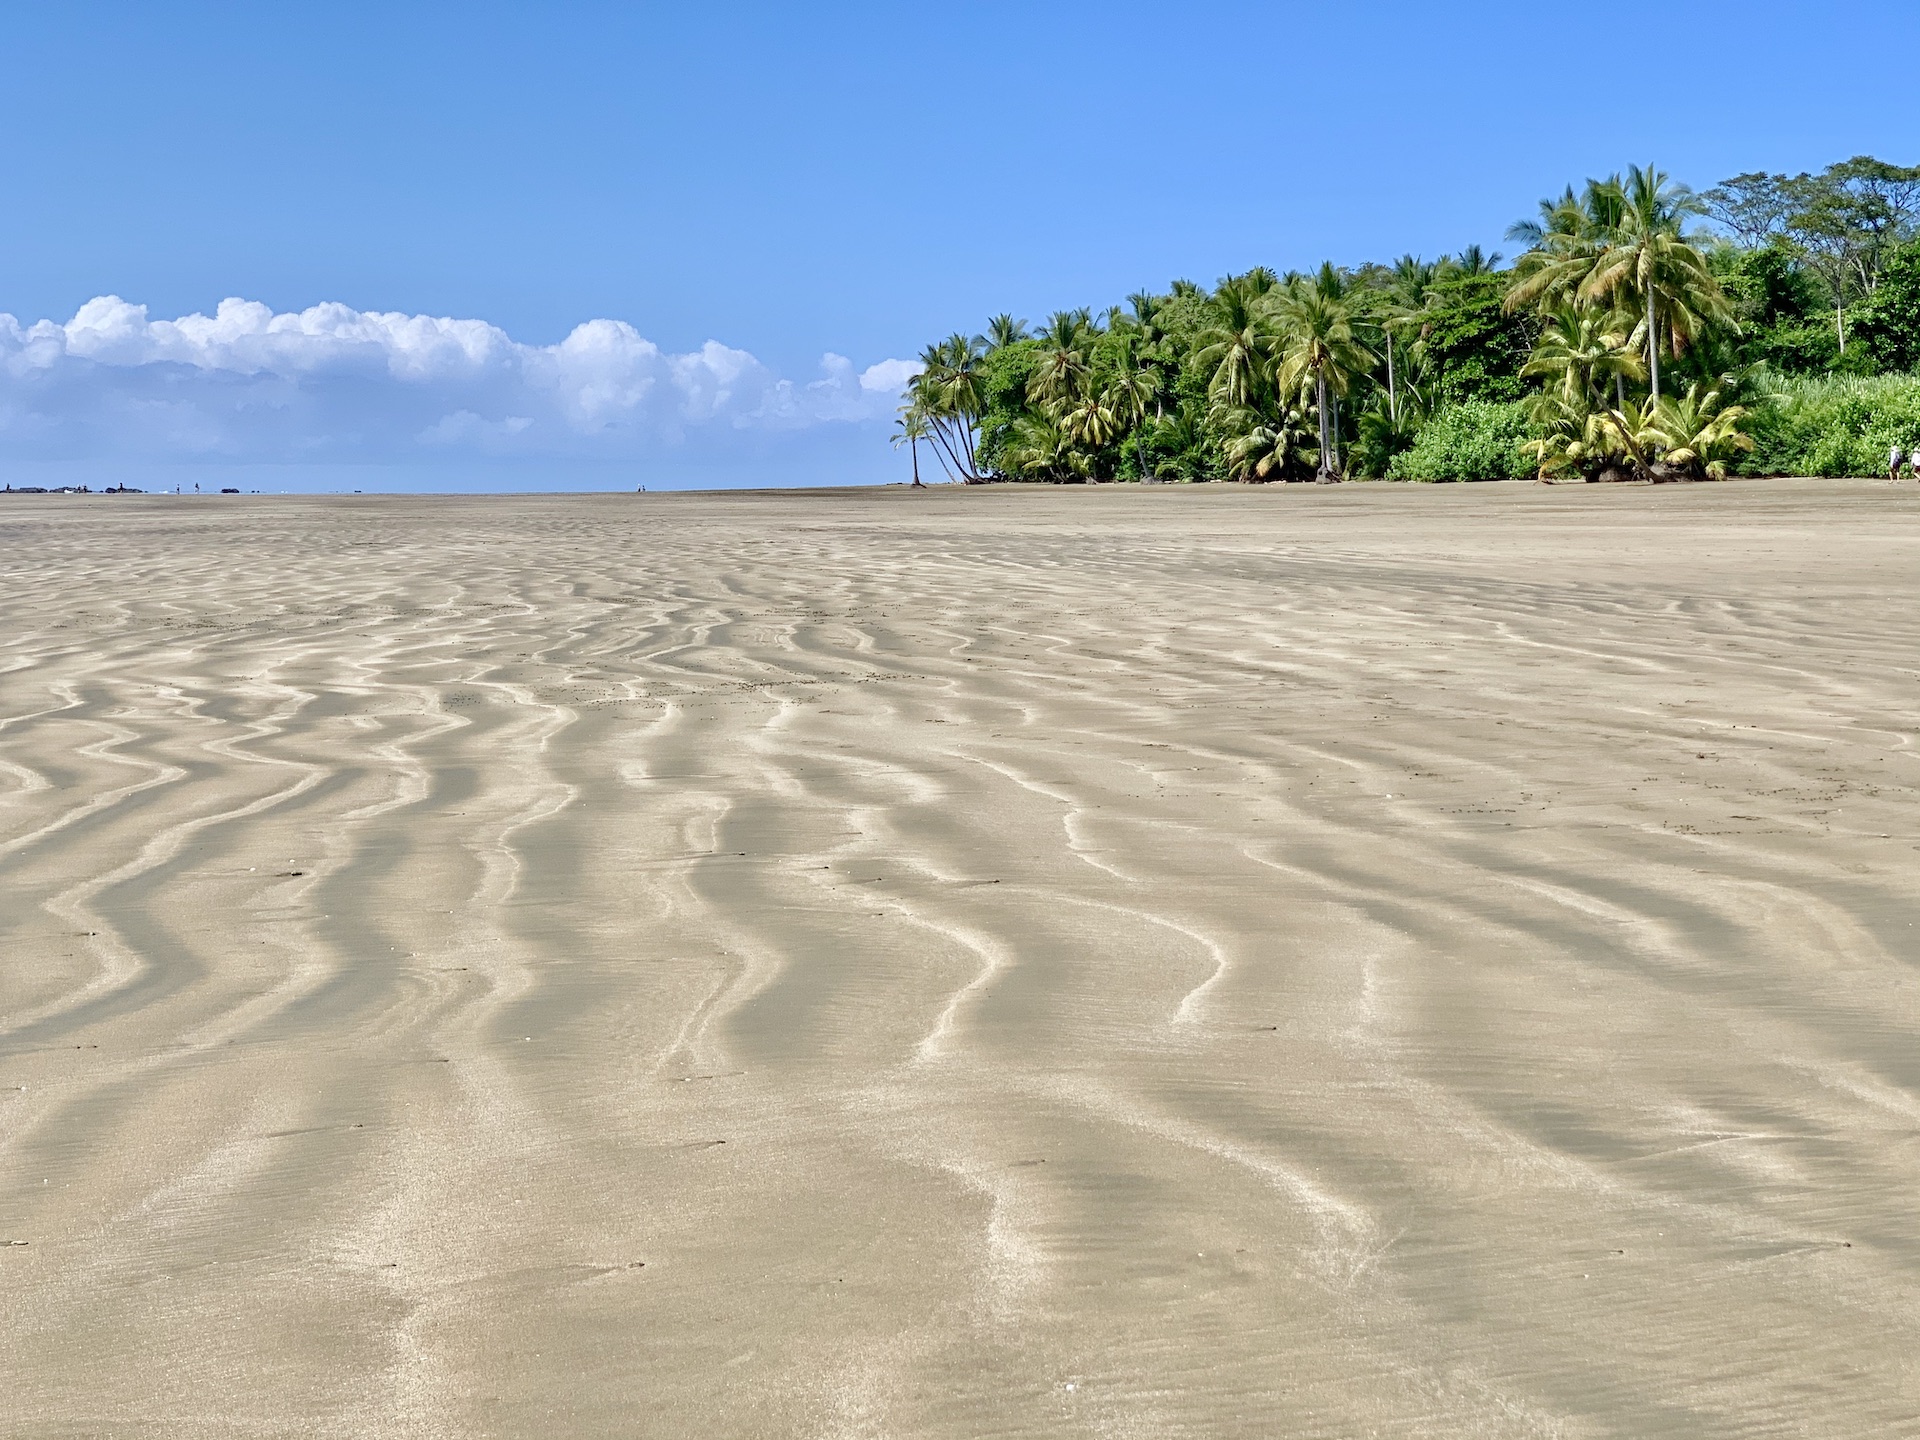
(1643, 331)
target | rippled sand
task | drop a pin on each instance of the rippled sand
(1377, 961)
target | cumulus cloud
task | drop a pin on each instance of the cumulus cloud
(337, 384)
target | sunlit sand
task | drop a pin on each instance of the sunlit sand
(1131, 962)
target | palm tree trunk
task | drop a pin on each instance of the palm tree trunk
(943, 448)
(916, 463)
(1393, 400)
(1320, 396)
(1653, 347)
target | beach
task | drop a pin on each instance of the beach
(1368, 960)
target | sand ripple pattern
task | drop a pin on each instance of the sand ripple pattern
(1182, 963)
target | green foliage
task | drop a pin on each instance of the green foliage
(1888, 324)
(1831, 425)
(1622, 343)
(1779, 308)
(1004, 377)
(1476, 346)
(1470, 440)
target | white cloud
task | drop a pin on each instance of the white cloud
(334, 383)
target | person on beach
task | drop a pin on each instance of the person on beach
(1893, 463)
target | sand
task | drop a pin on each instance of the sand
(1370, 961)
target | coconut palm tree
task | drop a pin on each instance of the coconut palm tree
(1582, 350)
(1088, 422)
(1573, 436)
(947, 395)
(1039, 450)
(1470, 262)
(1317, 347)
(1698, 432)
(909, 430)
(1134, 387)
(1262, 449)
(1652, 262)
(1236, 348)
(1407, 287)
(1564, 243)
(1003, 330)
(1061, 375)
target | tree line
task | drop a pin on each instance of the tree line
(1644, 331)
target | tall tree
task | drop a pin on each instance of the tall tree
(1652, 261)
(1318, 348)
(1754, 207)
(1236, 348)
(1584, 352)
(1062, 372)
(947, 396)
(1407, 285)
(1134, 388)
(1003, 330)
(909, 430)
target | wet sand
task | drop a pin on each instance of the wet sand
(1378, 961)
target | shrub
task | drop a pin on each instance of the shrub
(1831, 425)
(1474, 440)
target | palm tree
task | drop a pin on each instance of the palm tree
(1003, 330)
(1266, 449)
(1179, 437)
(1470, 262)
(1237, 346)
(1133, 388)
(1583, 349)
(1573, 436)
(1651, 260)
(1317, 346)
(1062, 372)
(1040, 450)
(946, 394)
(1564, 243)
(1145, 306)
(1088, 422)
(1697, 432)
(1407, 286)
(910, 429)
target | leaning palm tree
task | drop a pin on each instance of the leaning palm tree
(1318, 348)
(947, 394)
(1654, 263)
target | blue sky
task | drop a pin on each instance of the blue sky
(792, 182)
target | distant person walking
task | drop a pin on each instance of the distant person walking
(1893, 463)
